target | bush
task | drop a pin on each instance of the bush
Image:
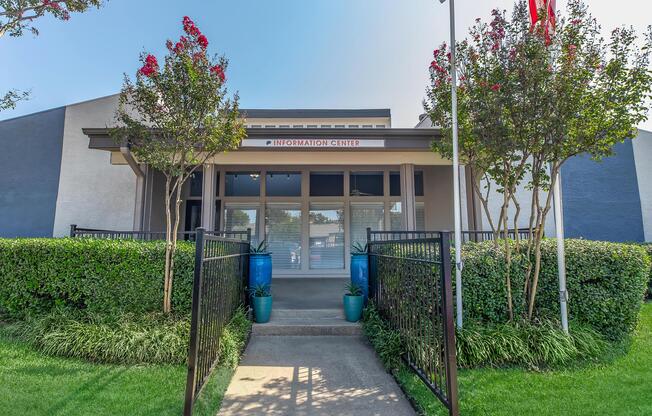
(386, 342)
(606, 282)
(128, 339)
(540, 344)
(97, 276)
(648, 248)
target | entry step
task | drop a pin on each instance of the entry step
(313, 322)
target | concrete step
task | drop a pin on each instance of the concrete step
(314, 322)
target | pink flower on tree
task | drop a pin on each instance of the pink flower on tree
(150, 68)
(218, 71)
(495, 87)
(203, 42)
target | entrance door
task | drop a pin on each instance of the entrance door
(326, 243)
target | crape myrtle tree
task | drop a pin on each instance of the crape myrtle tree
(176, 116)
(18, 16)
(528, 100)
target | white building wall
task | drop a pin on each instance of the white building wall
(643, 159)
(92, 192)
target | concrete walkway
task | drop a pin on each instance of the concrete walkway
(312, 375)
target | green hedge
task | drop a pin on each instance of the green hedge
(606, 283)
(97, 276)
(648, 247)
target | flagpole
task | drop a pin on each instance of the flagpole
(456, 175)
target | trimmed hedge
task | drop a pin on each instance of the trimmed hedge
(648, 247)
(96, 276)
(606, 283)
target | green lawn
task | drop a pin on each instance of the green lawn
(34, 384)
(621, 387)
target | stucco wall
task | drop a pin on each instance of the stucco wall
(92, 192)
(29, 173)
(601, 199)
(642, 147)
(438, 195)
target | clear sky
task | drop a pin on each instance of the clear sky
(283, 53)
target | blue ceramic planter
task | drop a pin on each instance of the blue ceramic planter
(260, 270)
(360, 273)
(262, 308)
(353, 307)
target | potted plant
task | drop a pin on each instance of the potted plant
(360, 268)
(260, 265)
(353, 303)
(262, 303)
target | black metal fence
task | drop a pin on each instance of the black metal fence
(410, 284)
(221, 273)
(79, 232)
(467, 236)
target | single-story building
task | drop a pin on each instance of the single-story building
(308, 181)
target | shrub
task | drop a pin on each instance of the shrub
(386, 342)
(127, 339)
(540, 344)
(606, 282)
(97, 276)
(648, 248)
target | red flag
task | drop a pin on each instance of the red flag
(549, 24)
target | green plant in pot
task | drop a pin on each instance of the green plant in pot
(260, 265)
(262, 303)
(353, 302)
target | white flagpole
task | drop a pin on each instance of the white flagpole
(456, 175)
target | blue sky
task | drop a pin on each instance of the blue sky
(283, 53)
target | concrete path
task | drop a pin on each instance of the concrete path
(312, 375)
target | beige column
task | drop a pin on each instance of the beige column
(208, 198)
(408, 200)
(141, 195)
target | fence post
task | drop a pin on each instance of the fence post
(372, 275)
(449, 327)
(249, 235)
(194, 323)
(73, 230)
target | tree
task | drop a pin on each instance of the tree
(176, 117)
(530, 100)
(17, 16)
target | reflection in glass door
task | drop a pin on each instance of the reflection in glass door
(283, 235)
(326, 236)
(239, 217)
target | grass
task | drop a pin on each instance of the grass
(33, 384)
(619, 386)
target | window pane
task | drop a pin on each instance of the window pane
(242, 184)
(421, 216)
(326, 237)
(218, 211)
(363, 216)
(283, 235)
(241, 217)
(326, 184)
(366, 184)
(418, 183)
(196, 183)
(217, 184)
(283, 184)
(193, 215)
(394, 183)
(396, 217)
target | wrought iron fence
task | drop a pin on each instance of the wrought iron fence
(221, 273)
(79, 232)
(467, 236)
(410, 284)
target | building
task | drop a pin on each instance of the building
(308, 181)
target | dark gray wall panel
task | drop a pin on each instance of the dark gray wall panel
(30, 162)
(601, 199)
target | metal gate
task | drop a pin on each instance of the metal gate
(410, 284)
(221, 273)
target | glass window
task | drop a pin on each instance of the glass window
(418, 183)
(283, 235)
(326, 237)
(396, 217)
(421, 216)
(218, 211)
(366, 184)
(365, 215)
(239, 217)
(242, 184)
(283, 184)
(196, 183)
(394, 183)
(193, 215)
(217, 184)
(326, 184)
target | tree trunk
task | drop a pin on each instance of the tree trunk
(173, 245)
(169, 252)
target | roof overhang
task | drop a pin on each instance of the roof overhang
(293, 139)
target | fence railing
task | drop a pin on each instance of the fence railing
(221, 273)
(467, 236)
(80, 232)
(410, 284)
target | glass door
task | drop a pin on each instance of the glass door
(326, 236)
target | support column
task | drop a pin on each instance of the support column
(208, 198)
(408, 200)
(141, 193)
